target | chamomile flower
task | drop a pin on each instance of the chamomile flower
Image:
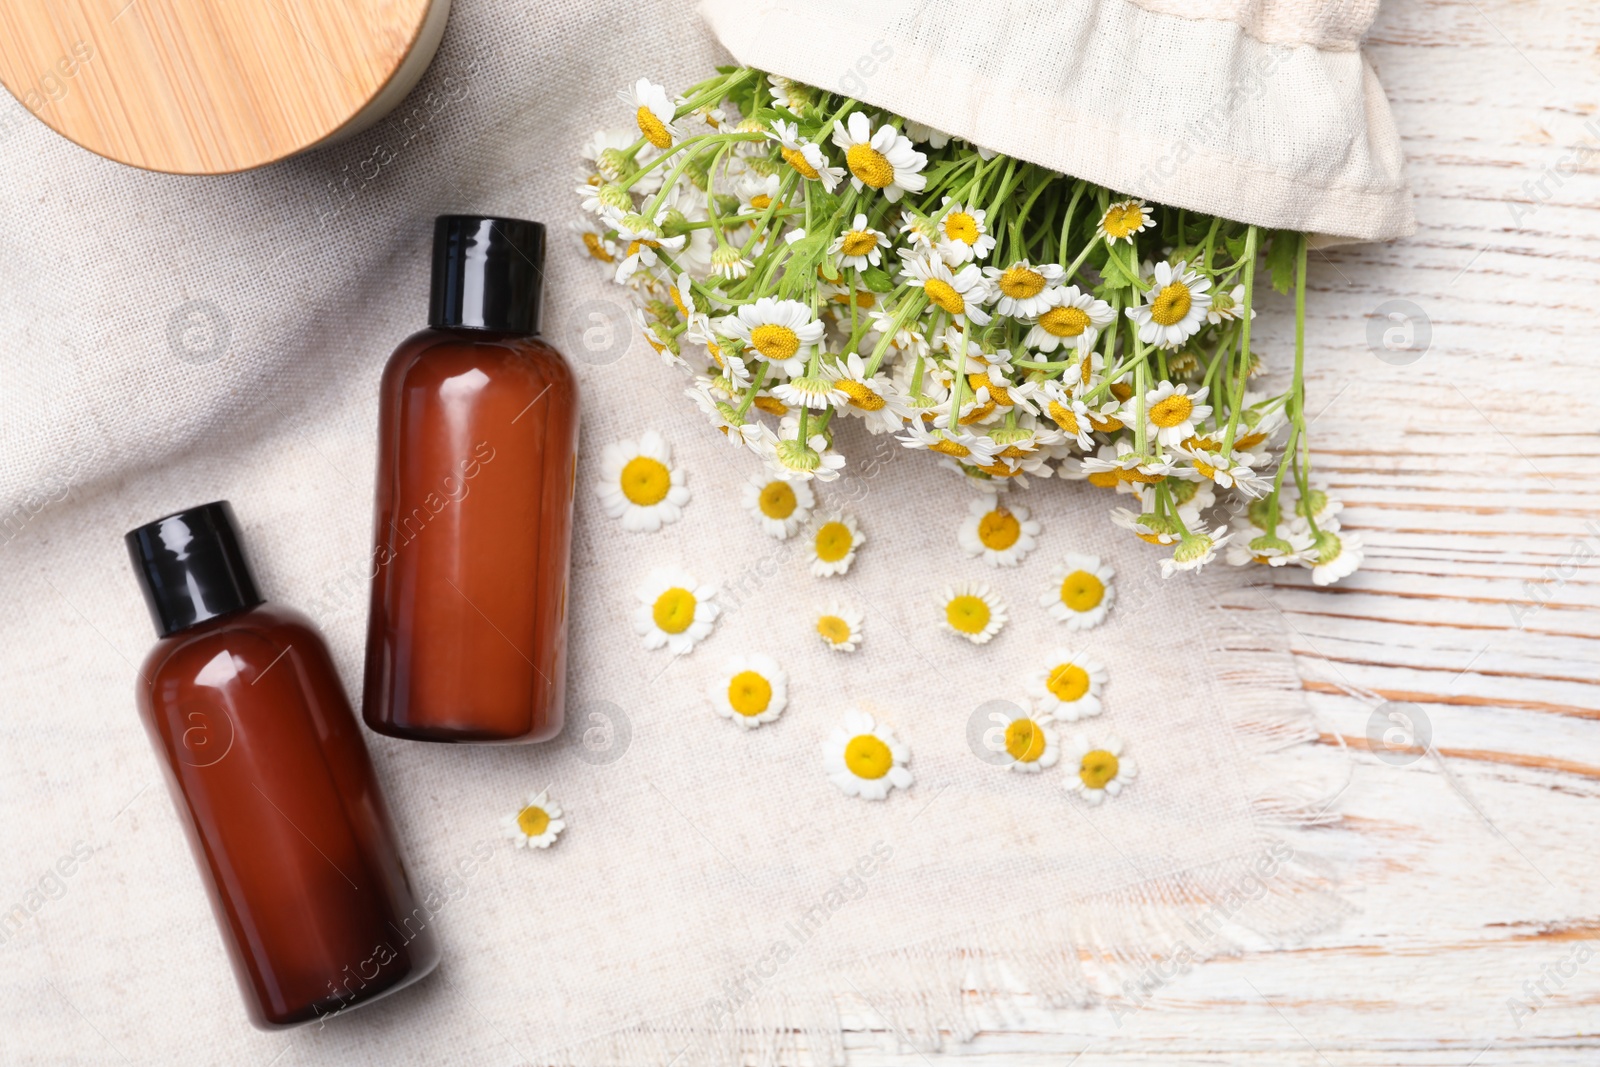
(963, 233)
(840, 628)
(728, 262)
(962, 445)
(536, 824)
(1069, 687)
(751, 691)
(925, 134)
(674, 611)
(782, 332)
(960, 295)
(757, 193)
(1225, 471)
(1001, 533)
(781, 506)
(653, 111)
(606, 154)
(860, 246)
(642, 239)
(1124, 219)
(833, 547)
(973, 612)
(1172, 411)
(1029, 739)
(815, 392)
(803, 156)
(596, 238)
(1227, 306)
(865, 759)
(639, 485)
(1098, 767)
(1069, 413)
(883, 160)
(792, 458)
(1069, 317)
(875, 399)
(1194, 551)
(1175, 308)
(1335, 555)
(1080, 592)
(1023, 287)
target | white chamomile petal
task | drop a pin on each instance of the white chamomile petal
(973, 612)
(865, 759)
(751, 690)
(639, 485)
(780, 505)
(1080, 592)
(536, 824)
(674, 611)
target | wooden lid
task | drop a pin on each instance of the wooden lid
(212, 86)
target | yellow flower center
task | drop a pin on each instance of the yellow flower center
(1025, 740)
(1064, 416)
(978, 413)
(868, 757)
(1020, 283)
(1248, 440)
(999, 530)
(597, 248)
(775, 342)
(834, 541)
(947, 447)
(960, 226)
(777, 500)
(833, 629)
(1105, 423)
(1082, 591)
(772, 406)
(870, 165)
(1171, 411)
(945, 296)
(1097, 768)
(533, 820)
(797, 159)
(1122, 220)
(761, 201)
(1067, 682)
(749, 693)
(1064, 321)
(645, 481)
(1086, 368)
(860, 395)
(677, 299)
(1205, 468)
(655, 131)
(674, 610)
(1104, 479)
(1171, 304)
(967, 614)
(858, 243)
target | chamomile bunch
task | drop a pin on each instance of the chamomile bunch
(808, 259)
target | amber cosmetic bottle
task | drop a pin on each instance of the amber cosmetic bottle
(477, 447)
(271, 780)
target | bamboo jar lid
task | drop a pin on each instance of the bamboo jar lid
(213, 86)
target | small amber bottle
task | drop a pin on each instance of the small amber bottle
(477, 454)
(272, 783)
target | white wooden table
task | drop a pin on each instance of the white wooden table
(1473, 472)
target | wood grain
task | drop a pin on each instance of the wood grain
(208, 86)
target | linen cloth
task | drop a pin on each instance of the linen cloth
(170, 341)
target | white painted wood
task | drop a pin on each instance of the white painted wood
(1470, 472)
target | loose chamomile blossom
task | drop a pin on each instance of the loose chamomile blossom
(1124, 219)
(1023, 287)
(1195, 550)
(781, 506)
(803, 156)
(653, 111)
(874, 399)
(840, 628)
(536, 825)
(960, 295)
(1029, 739)
(973, 612)
(751, 691)
(1080, 592)
(1172, 411)
(1001, 533)
(1336, 554)
(833, 547)
(639, 485)
(1101, 769)
(963, 233)
(782, 332)
(883, 160)
(1069, 688)
(674, 611)
(1175, 308)
(1070, 317)
(860, 246)
(865, 759)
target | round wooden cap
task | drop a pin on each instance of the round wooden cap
(213, 86)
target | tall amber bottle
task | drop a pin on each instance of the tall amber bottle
(271, 780)
(477, 452)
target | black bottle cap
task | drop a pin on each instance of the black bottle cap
(487, 273)
(192, 567)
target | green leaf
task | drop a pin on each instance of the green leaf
(877, 279)
(1281, 256)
